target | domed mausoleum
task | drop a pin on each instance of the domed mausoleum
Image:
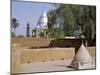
(42, 26)
(43, 20)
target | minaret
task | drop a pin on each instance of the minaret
(28, 30)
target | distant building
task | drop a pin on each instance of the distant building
(33, 32)
(41, 28)
(43, 20)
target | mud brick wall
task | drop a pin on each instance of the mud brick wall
(32, 42)
(46, 54)
(15, 61)
(92, 51)
(55, 49)
(40, 42)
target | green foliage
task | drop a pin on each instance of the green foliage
(74, 15)
(56, 33)
(14, 25)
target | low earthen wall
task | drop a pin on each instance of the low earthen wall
(47, 54)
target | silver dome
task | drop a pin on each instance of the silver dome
(43, 20)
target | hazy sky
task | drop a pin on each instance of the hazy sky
(28, 12)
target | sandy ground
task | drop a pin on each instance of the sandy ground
(57, 65)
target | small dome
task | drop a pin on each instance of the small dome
(43, 20)
(37, 27)
(82, 55)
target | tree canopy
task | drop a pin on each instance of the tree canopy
(65, 18)
(14, 25)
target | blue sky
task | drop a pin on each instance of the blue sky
(28, 12)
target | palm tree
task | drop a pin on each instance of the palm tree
(14, 24)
